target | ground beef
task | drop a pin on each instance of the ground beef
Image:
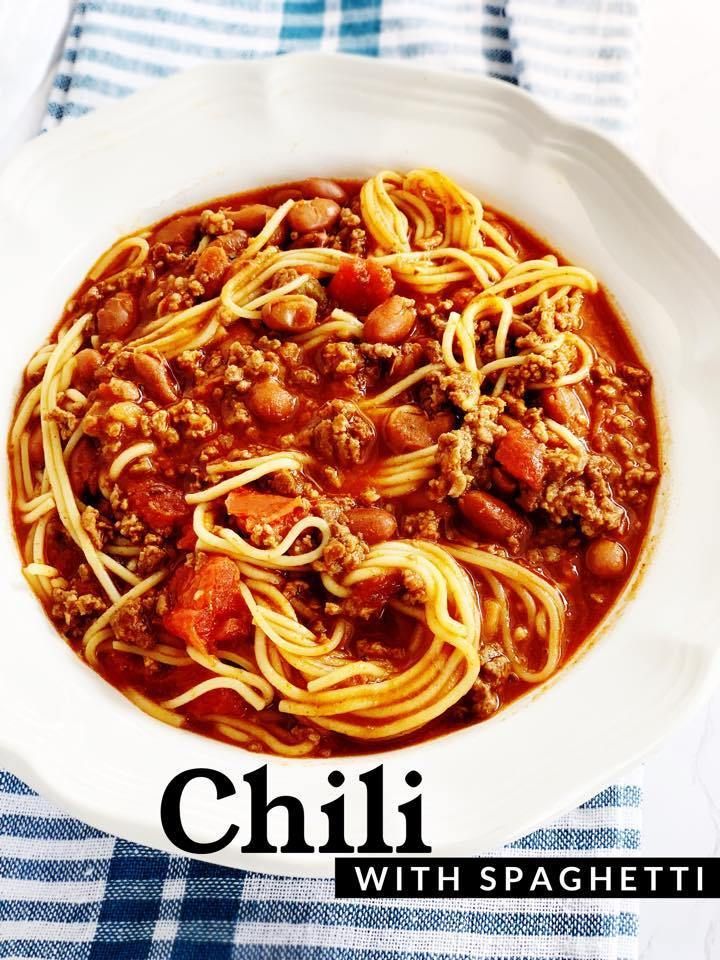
(351, 236)
(485, 428)
(66, 420)
(482, 701)
(217, 449)
(633, 376)
(343, 552)
(557, 317)
(71, 607)
(442, 390)
(265, 535)
(340, 359)
(188, 418)
(175, 293)
(454, 453)
(247, 364)
(131, 279)
(379, 351)
(153, 555)
(289, 483)
(333, 510)
(586, 498)
(131, 527)
(235, 413)
(424, 525)
(132, 622)
(343, 434)
(192, 419)
(408, 358)
(97, 527)
(192, 364)
(621, 431)
(304, 377)
(215, 223)
(414, 593)
(496, 666)
(542, 367)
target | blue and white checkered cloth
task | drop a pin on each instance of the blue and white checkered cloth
(580, 56)
(70, 892)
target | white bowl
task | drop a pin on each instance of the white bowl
(224, 127)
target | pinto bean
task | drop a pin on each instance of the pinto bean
(268, 400)
(155, 375)
(410, 357)
(87, 363)
(373, 524)
(564, 405)
(319, 187)
(407, 428)
(282, 194)
(317, 238)
(210, 268)
(252, 217)
(117, 317)
(234, 242)
(279, 235)
(492, 518)
(35, 447)
(606, 558)
(83, 468)
(291, 314)
(391, 322)
(310, 215)
(158, 503)
(179, 232)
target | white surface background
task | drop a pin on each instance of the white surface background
(677, 139)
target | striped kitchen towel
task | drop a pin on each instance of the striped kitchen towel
(70, 892)
(579, 56)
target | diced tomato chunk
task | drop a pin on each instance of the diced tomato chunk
(361, 285)
(224, 702)
(158, 504)
(250, 508)
(206, 606)
(187, 539)
(522, 456)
